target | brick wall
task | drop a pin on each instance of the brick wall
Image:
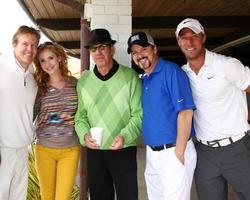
(115, 16)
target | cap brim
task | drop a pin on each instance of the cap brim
(143, 44)
(112, 42)
(192, 28)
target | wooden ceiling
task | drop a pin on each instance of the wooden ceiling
(224, 21)
(59, 20)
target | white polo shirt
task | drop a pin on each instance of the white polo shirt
(17, 96)
(218, 92)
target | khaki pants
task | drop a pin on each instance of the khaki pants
(13, 173)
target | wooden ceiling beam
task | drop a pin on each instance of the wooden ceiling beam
(70, 44)
(173, 21)
(161, 42)
(153, 22)
(76, 5)
(241, 32)
(75, 55)
(60, 24)
(171, 53)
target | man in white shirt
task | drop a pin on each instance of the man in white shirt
(18, 92)
(219, 85)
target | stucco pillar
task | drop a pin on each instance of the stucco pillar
(115, 16)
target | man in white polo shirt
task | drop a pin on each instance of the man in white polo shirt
(18, 92)
(219, 85)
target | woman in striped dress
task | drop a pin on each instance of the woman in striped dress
(57, 147)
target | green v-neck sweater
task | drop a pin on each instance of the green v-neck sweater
(114, 104)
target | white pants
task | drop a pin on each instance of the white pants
(166, 177)
(13, 173)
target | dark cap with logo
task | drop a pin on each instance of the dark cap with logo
(99, 36)
(141, 38)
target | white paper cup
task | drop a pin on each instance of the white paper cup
(96, 133)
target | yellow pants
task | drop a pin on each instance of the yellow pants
(56, 169)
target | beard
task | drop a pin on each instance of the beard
(146, 64)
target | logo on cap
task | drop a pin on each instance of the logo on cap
(134, 38)
(187, 21)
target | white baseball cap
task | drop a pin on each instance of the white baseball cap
(190, 23)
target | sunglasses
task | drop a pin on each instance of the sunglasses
(45, 44)
(100, 47)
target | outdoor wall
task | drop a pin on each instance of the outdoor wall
(115, 16)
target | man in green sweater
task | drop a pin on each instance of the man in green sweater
(109, 97)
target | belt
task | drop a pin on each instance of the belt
(159, 148)
(223, 142)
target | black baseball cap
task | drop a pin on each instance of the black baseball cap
(141, 38)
